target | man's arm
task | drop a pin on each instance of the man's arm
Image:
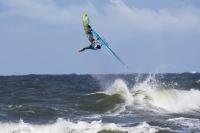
(81, 50)
(88, 47)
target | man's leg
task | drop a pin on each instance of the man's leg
(91, 38)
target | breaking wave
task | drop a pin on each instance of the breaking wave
(167, 98)
(150, 94)
(64, 126)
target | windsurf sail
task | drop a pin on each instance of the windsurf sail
(105, 44)
(86, 23)
(91, 34)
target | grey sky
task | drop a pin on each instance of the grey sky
(43, 36)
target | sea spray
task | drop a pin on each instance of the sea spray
(120, 87)
(170, 99)
(157, 94)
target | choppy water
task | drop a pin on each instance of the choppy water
(133, 103)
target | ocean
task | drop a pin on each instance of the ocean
(98, 103)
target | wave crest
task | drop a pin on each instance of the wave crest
(151, 93)
(63, 126)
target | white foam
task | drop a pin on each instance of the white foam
(193, 72)
(120, 87)
(151, 93)
(63, 126)
(172, 100)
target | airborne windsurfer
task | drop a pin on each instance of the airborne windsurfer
(96, 40)
(95, 45)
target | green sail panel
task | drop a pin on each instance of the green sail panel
(86, 22)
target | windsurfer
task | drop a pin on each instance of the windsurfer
(95, 45)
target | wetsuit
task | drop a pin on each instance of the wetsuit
(94, 44)
(90, 35)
